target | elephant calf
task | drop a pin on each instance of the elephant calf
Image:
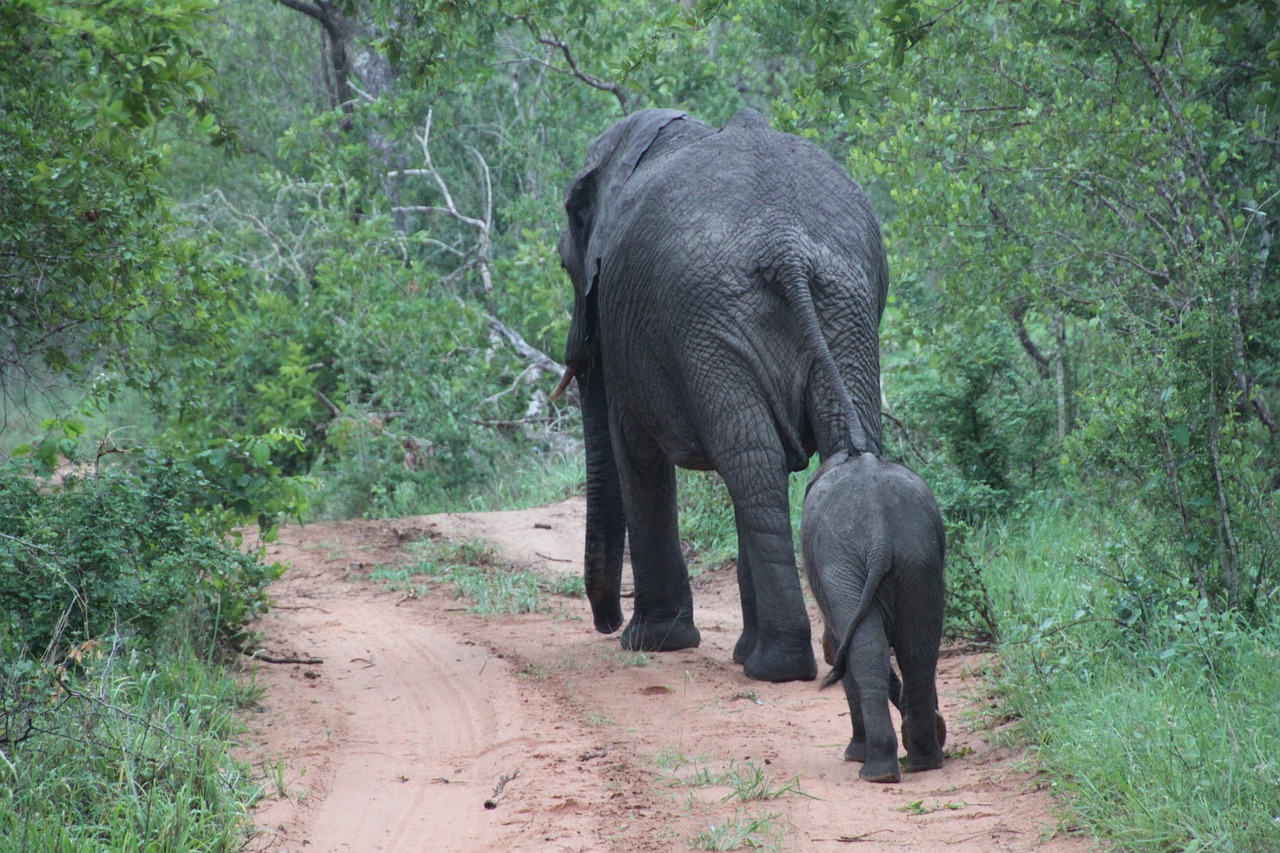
(874, 547)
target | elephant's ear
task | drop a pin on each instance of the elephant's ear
(642, 129)
(580, 212)
(611, 160)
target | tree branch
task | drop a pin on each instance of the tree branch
(573, 69)
(481, 257)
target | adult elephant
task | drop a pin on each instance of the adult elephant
(704, 263)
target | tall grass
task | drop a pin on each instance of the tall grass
(120, 754)
(1155, 719)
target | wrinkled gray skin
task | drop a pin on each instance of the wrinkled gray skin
(691, 251)
(874, 547)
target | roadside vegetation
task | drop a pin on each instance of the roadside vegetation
(473, 571)
(268, 261)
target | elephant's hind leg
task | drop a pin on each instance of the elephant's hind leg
(868, 666)
(776, 642)
(923, 729)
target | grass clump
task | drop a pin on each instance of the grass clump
(477, 573)
(742, 831)
(746, 781)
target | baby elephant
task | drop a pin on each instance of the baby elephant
(874, 547)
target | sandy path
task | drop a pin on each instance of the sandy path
(420, 710)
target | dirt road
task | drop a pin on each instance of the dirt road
(430, 728)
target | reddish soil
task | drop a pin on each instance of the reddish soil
(402, 737)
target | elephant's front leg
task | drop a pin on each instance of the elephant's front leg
(776, 643)
(662, 620)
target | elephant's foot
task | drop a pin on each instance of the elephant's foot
(929, 761)
(879, 764)
(665, 636)
(939, 729)
(929, 757)
(766, 663)
(881, 770)
(745, 646)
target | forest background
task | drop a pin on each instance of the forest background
(296, 259)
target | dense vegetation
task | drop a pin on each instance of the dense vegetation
(266, 259)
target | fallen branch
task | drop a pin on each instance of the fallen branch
(266, 658)
(492, 802)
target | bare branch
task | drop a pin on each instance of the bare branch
(526, 350)
(573, 70)
(481, 256)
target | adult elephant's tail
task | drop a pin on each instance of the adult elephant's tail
(797, 276)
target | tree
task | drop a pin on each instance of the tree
(85, 260)
(1096, 179)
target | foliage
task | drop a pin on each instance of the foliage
(87, 254)
(116, 586)
(105, 751)
(389, 232)
(1171, 434)
(1073, 217)
(122, 552)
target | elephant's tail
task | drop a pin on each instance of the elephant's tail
(797, 278)
(878, 564)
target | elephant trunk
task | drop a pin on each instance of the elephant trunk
(606, 521)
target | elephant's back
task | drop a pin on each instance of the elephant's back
(690, 264)
(731, 203)
(867, 496)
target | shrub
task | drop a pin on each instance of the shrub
(123, 550)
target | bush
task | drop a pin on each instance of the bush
(122, 551)
(115, 589)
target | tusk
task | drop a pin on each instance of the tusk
(564, 381)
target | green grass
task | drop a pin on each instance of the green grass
(706, 519)
(121, 755)
(746, 781)
(478, 575)
(539, 479)
(744, 831)
(1158, 731)
(748, 784)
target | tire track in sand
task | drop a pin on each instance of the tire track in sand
(404, 730)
